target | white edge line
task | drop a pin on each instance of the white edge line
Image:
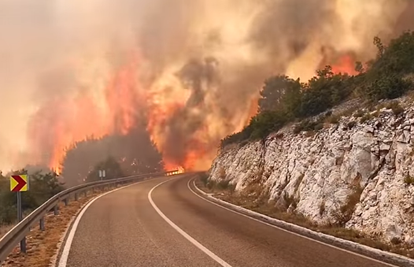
(65, 252)
(179, 230)
(274, 226)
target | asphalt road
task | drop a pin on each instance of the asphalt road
(180, 229)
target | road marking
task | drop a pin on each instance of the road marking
(65, 253)
(274, 226)
(187, 236)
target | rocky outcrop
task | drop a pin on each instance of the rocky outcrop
(355, 173)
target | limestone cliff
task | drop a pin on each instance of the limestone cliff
(357, 172)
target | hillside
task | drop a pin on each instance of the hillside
(335, 152)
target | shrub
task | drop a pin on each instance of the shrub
(334, 119)
(322, 208)
(386, 87)
(395, 107)
(204, 178)
(285, 100)
(347, 209)
(408, 180)
(366, 117)
(359, 113)
(351, 124)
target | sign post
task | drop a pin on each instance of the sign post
(101, 174)
(19, 184)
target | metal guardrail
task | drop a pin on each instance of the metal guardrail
(18, 233)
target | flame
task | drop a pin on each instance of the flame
(59, 124)
(123, 101)
(345, 65)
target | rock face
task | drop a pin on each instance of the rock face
(354, 172)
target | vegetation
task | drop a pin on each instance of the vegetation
(409, 180)
(135, 152)
(285, 100)
(112, 170)
(42, 187)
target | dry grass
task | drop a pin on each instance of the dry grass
(264, 206)
(42, 246)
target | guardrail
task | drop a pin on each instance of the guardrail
(18, 233)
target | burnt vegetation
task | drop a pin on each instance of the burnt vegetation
(285, 100)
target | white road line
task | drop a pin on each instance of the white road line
(274, 226)
(187, 236)
(65, 253)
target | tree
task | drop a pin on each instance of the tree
(135, 152)
(112, 170)
(275, 91)
(323, 92)
(379, 45)
(385, 77)
(359, 67)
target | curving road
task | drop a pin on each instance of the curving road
(162, 222)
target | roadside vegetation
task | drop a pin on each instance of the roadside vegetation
(284, 100)
(42, 186)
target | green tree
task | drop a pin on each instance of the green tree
(275, 92)
(323, 92)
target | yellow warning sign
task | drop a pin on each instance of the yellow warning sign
(19, 183)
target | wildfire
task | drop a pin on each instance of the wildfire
(82, 117)
(124, 100)
(345, 65)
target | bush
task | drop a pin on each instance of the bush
(396, 108)
(221, 185)
(359, 113)
(285, 100)
(409, 180)
(386, 87)
(351, 124)
(334, 119)
(366, 117)
(204, 178)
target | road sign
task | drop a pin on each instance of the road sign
(101, 174)
(19, 183)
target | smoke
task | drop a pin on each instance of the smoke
(75, 69)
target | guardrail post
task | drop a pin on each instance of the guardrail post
(66, 201)
(76, 196)
(55, 210)
(85, 192)
(42, 224)
(23, 247)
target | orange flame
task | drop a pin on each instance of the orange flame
(345, 65)
(62, 122)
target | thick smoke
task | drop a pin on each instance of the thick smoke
(73, 69)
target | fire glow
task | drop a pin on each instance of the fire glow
(125, 100)
(174, 68)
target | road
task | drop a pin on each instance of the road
(161, 222)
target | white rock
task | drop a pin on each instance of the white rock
(322, 169)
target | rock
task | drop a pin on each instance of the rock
(324, 168)
(384, 147)
(392, 232)
(369, 129)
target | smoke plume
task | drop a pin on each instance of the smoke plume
(72, 70)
